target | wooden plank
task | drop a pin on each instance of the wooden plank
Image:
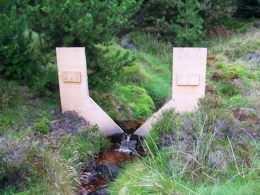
(74, 92)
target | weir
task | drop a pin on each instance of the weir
(188, 85)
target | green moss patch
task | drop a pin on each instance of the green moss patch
(137, 99)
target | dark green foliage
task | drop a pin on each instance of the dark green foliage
(215, 12)
(176, 21)
(11, 94)
(17, 60)
(155, 17)
(77, 23)
(248, 8)
(6, 5)
(193, 17)
(105, 69)
(8, 190)
(188, 25)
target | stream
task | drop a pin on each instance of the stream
(95, 176)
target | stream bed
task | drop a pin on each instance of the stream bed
(95, 176)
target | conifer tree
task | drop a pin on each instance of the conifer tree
(188, 25)
(248, 8)
(17, 60)
(215, 12)
(77, 22)
(155, 17)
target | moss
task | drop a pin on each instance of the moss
(158, 88)
(134, 74)
(137, 100)
(222, 65)
(225, 72)
(241, 72)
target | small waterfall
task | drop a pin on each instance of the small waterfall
(127, 145)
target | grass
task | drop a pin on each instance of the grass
(210, 164)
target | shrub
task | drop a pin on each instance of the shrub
(188, 25)
(12, 94)
(14, 164)
(225, 72)
(105, 70)
(175, 21)
(78, 23)
(187, 20)
(201, 145)
(215, 12)
(48, 174)
(154, 17)
(248, 8)
(17, 59)
(210, 101)
(219, 32)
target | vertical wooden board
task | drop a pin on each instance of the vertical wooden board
(74, 93)
(189, 66)
(187, 61)
(72, 59)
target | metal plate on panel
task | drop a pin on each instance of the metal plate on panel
(71, 77)
(188, 79)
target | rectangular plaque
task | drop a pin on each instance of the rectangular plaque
(71, 77)
(188, 79)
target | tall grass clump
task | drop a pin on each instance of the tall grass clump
(201, 152)
(86, 144)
